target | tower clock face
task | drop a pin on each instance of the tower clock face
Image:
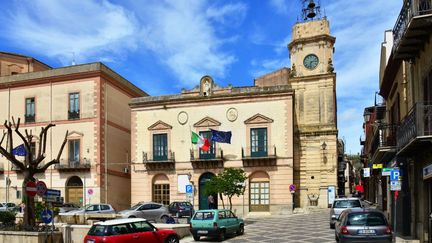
(311, 61)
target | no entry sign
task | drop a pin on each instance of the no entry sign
(31, 189)
(41, 188)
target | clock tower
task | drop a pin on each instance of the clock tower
(313, 78)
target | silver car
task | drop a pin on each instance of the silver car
(339, 205)
(363, 225)
(150, 210)
(92, 209)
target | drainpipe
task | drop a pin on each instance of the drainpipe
(105, 144)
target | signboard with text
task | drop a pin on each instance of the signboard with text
(386, 171)
(377, 166)
(395, 185)
(366, 172)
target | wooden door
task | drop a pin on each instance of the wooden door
(260, 196)
(74, 195)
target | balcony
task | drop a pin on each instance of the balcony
(158, 161)
(415, 129)
(66, 166)
(29, 118)
(206, 160)
(384, 143)
(259, 156)
(73, 115)
(412, 28)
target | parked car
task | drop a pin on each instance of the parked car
(339, 205)
(9, 207)
(362, 225)
(66, 207)
(129, 230)
(180, 209)
(215, 223)
(148, 210)
(92, 209)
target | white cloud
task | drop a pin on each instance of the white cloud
(229, 14)
(60, 28)
(181, 35)
(280, 6)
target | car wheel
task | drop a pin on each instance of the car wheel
(240, 231)
(221, 236)
(172, 239)
(196, 237)
(332, 226)
(131, 217)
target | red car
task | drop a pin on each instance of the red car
(129, 230)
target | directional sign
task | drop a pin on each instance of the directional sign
(292, 188)
(31, 189)
(52, 195)
(41, 188)
(189, 189)
(46, 216)
(386, 171)
(394, 175)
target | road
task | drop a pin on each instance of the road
(296, 228)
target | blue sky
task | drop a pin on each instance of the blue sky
(162, 46)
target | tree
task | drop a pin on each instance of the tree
(32, 162)
(229, 183)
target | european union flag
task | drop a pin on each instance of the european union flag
(19, 150)
(221, 137)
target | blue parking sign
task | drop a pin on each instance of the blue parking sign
(394, 174)
(189, 189)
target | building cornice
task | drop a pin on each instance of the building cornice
(312, 39)
(235, 93)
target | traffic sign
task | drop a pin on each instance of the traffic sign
(386, 171)
(292, 188)
(52, 195)
(31, 189)
(46, 216)
(41, 188)
(189, 189)
(394, 175)
(395, 186)
(366, 172)
(89, 192)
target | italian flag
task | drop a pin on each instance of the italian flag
(203, 143)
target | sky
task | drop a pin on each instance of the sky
(163, 46)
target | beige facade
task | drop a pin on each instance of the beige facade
(296, 108)
(91, 102)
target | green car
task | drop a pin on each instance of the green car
(215, 223)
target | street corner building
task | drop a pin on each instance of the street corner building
(91, 102)
(284, 132)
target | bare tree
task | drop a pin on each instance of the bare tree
(32, 163)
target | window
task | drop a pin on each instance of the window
(210, 154)
(161, 193)
(347, 204)
(204, 216)
(221, 215)
(18, 194)
(30, 110)
(74, 112)
(366, 219)
(105, 207)
(141, 227)
(74, 150)
(258, 142)
(119, 229)
(160, 147)
(92, 208)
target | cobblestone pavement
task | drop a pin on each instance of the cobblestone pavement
(313, 227)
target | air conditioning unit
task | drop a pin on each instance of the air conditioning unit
(126, 170)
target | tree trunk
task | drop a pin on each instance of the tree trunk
(230, 203)
(221, 198)
(29, 210)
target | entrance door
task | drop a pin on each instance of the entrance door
(203, 198)
(260, 196)
(74, 191)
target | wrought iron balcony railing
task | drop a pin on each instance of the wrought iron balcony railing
(259, 152)
(73, 115)
(417, 124)
(385, 136)
(151, 157)
(212, 154)
(73, 165)
(410, 9)
(29, 118)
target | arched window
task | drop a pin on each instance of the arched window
(161, 189)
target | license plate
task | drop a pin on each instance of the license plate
(90, 241)
(366, 232)
(202, 232)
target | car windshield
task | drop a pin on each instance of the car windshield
(97, 230)
(184, 204)
(366, 219)
(347, 204)
(204, 216)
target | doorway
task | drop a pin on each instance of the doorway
(74, 190)
(203, 198)
(259, 192)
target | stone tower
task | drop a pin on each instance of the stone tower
(314, 81)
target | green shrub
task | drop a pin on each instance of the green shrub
(7, 217)
(39, 207)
